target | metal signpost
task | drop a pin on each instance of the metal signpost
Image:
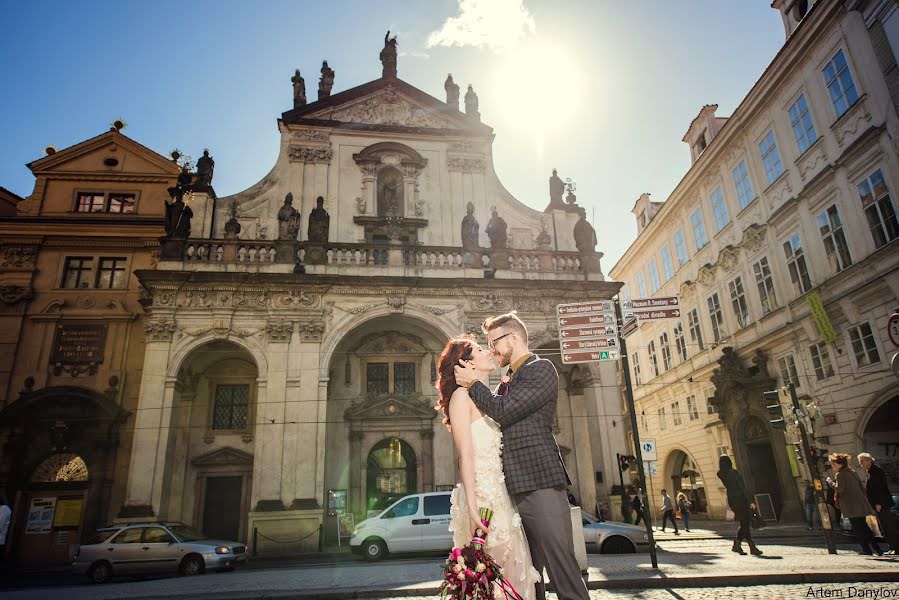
(588, 332)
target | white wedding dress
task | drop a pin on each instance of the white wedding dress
(506, 541)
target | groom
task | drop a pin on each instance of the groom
(525, 408)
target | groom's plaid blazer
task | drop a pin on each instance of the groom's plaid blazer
(526, 413)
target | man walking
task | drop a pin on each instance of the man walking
(525, 408)
(637, 506)
(668, 512)
(881, 500)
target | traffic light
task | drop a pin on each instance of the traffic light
(775, 410)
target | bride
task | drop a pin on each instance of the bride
(479, 444)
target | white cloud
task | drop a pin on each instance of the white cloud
(495, 24)
(415, 54)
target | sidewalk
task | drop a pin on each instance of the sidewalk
(705, 563)
(705, 529)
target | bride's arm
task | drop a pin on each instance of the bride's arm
(460, 420)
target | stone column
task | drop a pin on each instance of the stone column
(151, 430)
(357, 502)
(267, 456)
(427, 460)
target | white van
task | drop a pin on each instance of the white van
(415, 523)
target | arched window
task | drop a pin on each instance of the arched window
(64, 466)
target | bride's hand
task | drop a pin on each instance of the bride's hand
(476, 524)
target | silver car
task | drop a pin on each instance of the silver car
(604, 537)
(152, 548)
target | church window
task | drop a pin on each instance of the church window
(377, 378)
(231, 406)
(404, 378)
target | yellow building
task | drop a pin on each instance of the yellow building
(71, 336)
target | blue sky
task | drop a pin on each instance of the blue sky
(605, 93)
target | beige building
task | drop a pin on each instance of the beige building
(292, 338)
(71, 336)
(781, 242)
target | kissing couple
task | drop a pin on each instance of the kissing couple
(508, 457)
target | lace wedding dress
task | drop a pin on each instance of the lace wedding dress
(506, 541)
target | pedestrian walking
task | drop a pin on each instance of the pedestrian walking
(637, 507)
(5, 515)
(668, 512)
(830, 499)
(853, 503)
(880, 498)
(810, 504)
(738, 501)
(684, 506)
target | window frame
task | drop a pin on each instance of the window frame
(803, 125)
(719, 209)
(838, 254)
(743, 185)
(764, 282)
(692, 409)
(665, 348)
(107, 196)
(655, 282)
(113, 270)
(695, 327)
(680, 341)
(680, 247)
(87, 273)
(635, 367)
(773, 169)
(788, 371)
(233, 383)
(880, 205)
(676, 418)
(821, 361)
(699, 228)
(801, 285)
(716, 316)
(738, 301)
(663, 418)
(667, 262)
(857, 328)
(651, 352)
(641, 284)
(844, 96)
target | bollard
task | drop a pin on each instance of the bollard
(320, 529)
(255, 539)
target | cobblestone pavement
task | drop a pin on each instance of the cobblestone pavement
(696, 561)
(761, 592)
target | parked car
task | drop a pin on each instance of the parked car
(846, 526)
(605, 537)
(148, 548)
(415, 523)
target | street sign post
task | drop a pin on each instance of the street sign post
(650, 309)
(646, 303)
(652, 315)
(588, 332)
(648, 446)
(629, 328)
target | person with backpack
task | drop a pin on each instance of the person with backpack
(684, 506)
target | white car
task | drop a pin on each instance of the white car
(415, 523)
(604, 537)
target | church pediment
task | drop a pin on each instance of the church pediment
(390, 407)
(111, 153)
(224, 456)
(384, 103)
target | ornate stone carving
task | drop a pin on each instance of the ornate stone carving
(10, 295)
(754, 237)
(706, 275)
(309, 135)
(86, 302)
(851, 122)
(687, 290)
(221, 330)
(356, 310)
(298, 297)
(808, 161)
(490, 302)
(463, 146)
(310, 154)
(728, 258)
(466, 164)
(19, 256)
(431, 309)
(279, 330)
(311, 331)
(159, 329)
(388, 108)
(396, 304)
(361, 205)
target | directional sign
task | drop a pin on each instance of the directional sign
(629, 328)
(582, 332)
(591, 344)
(580, 308)
(588, 332)
(581, 357)
(600, 319)
(642, 303)
(652, 315)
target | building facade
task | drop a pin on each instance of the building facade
(781, 243)
(72, 337)
(269, 365)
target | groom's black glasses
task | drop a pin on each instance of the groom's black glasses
(492, 344)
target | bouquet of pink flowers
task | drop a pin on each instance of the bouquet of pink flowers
(470, 572)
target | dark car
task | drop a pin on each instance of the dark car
(150, 548)
(846, 527)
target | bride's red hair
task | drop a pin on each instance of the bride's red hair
(458, 348)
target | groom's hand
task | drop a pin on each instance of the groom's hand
(465, 375)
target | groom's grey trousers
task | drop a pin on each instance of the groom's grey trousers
(547, 522)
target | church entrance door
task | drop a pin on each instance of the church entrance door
(221, 509)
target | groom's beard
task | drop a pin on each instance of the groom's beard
(504, 360)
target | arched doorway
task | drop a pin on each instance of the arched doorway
(880, 439)
(684, 474)
(390, 473)
(761, 466)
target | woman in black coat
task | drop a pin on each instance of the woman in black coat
(739, 503)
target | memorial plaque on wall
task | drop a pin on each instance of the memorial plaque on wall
(78, 347)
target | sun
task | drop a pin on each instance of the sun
(539, 87)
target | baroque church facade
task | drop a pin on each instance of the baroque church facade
(292, 330)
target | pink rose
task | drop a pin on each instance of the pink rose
(505, 379)
(456, 553)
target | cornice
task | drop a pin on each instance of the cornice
(108, 177)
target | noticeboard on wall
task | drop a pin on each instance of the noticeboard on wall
(40, 516)
(68, 513)
(765, 506)
(337, 502)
